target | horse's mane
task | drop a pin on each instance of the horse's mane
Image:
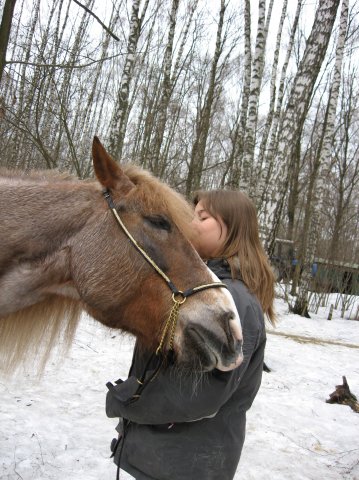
(22, 338)
(37, 176)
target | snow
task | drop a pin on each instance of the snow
(55, 427)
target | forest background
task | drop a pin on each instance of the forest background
(257, 95)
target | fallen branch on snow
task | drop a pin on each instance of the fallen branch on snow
(344, 396)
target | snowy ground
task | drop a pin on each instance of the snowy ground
(56, 428)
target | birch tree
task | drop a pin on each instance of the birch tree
(296, 113)
(120, 115)
(253, 100)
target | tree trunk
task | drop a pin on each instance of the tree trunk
(5, 29)
(255, 88)
(293, 191)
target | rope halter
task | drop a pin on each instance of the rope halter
(178, 296)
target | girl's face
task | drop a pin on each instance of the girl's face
(210, 233)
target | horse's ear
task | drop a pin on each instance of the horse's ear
(107, 171)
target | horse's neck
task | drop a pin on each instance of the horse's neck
(36, 218)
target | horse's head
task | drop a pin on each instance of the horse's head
(125, 291)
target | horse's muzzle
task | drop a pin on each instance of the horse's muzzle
(212, 349)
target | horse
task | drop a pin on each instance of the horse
(63, 252)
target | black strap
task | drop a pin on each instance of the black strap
(142, 381)
(124, 431)
(191, 291)
(106, 193)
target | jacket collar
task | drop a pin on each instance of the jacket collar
(219, 267)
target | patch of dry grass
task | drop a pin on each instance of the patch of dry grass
(313, 340)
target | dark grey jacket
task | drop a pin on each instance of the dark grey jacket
(182, 430)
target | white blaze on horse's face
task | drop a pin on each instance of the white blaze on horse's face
(212, 327)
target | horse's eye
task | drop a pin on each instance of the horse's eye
(158, 221)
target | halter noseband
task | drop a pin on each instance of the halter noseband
(178, 296)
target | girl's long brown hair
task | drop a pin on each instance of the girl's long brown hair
(242, 249)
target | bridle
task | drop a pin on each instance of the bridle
(178, 296)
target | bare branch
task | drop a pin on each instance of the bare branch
(96, 18)
(62, 65)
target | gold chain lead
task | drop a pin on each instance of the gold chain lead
(171, 323)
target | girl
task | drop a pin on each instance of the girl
(175, 431)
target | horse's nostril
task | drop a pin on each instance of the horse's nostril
(236, 329)
(231, 328)
(234, 346)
